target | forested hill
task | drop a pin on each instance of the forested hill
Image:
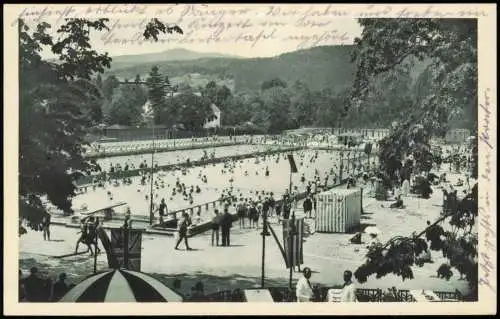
(319, 67)
(126, 61)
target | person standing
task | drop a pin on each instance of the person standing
(287, 207)
(215, 227)
(241, 209)
(315, 203)
(35, 287)
(307, 205)
(46, 226)
(226, 228)
(60, 288)
(182, 228)
(22, 293)
(271, 204)
(162, 210)
(258, 207)
(278, 211)
(303, 290)
(254, 215)
(265, 207)
(348, 293)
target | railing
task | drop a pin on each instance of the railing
(209, 207)
(369, 295)
(226, 296)
(285, 294)
(144, 149)
(164, 145)
(86, 181)
(404, 296)
(444, 295)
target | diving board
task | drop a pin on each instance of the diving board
(103, 209)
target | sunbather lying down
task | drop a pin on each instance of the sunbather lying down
(356, 239)
(398, 203)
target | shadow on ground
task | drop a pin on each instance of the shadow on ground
(79, 267)
(213, 284)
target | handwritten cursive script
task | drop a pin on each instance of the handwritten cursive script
(486, 257)
(253, 26)
(484, 135)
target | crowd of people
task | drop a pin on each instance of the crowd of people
(35, 288)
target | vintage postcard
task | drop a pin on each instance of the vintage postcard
(202, 158)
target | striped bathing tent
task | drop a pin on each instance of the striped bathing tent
(338, 210)
(121, 285)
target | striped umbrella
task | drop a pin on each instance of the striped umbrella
(121, 285)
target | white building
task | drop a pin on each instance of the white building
(215, 122)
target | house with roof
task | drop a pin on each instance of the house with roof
(215, 121)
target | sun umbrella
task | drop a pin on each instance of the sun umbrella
(372, 230)
(121, 285)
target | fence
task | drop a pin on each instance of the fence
(284, 294)
(88, 180)
(160, 146)
(444, 295)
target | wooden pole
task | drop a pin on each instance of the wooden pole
(125, 245)
(152, 177)
(263, 265)
(291, 234)
(95, 252)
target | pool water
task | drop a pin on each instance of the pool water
(247, 177)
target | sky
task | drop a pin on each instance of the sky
(244, 30)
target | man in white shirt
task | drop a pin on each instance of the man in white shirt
(303, 290)
(349, 290)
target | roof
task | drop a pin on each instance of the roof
(117, 127)
(340, 191)
(177, 93)
(350, 134)
(214, 108)
(307, 130)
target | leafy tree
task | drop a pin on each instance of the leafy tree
(276, 82)
(236, 110)
(190, 110)
(126, 105)
(328, 107)
(109, 85)
(223, 94)
(277, 103)
(447, 87)
(210, 91)
(302, 107)
(451, 47)
(56, 111)
(98, 81)
(388, 95)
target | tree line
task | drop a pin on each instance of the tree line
(275, 107)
